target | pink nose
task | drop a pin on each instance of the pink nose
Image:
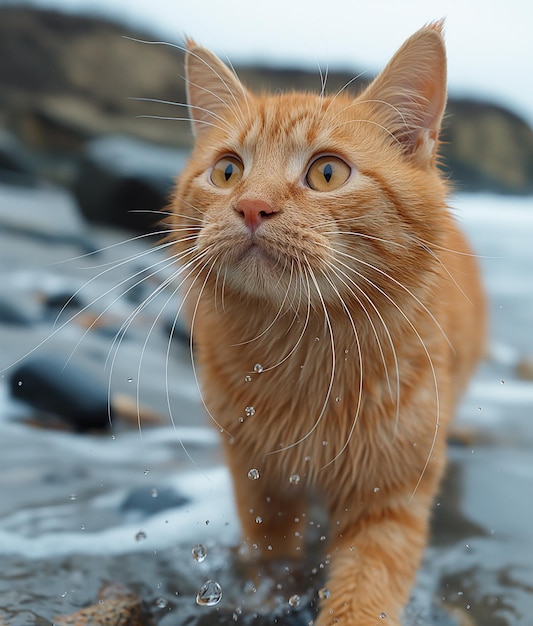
(254, 212)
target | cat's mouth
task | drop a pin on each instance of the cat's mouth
(256, 250)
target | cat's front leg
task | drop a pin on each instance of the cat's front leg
(272, 523)
(372, 567)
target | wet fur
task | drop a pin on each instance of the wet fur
(363, 305)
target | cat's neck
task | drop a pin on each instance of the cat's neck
(258, 332)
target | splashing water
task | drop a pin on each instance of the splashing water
(295, 601)
(199, 553)
(210, 593)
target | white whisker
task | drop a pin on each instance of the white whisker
(327, 322)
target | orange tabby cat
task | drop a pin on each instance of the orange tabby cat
(336, 311)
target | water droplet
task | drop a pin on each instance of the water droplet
(20, 383)
(294, 479)
(376, 489)
(258, 368)
(337, 399)
(153, 492)
(130, 379)
(324, 593)
(247, 378)
(317, 338)
(253, 474)
(241, 420)
(295, 600)
(199, 553)
(210, 593)
(258, 520)
(82, 526)
(161, 603)
(249, 411)
(140, 536)
(73, 496)
(502, 382)
(323, 538)
(324, 443)
(146, 472)
(382, 616)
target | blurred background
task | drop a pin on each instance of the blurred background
(70, 72)
(105, 448)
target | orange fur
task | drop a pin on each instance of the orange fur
(362, 303)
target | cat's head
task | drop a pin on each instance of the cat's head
(301, 196)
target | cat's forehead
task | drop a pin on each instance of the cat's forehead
(287, 123)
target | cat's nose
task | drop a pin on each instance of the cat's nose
(254, 212)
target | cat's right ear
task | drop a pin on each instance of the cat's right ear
(212, 89)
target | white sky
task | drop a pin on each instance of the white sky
(490, 43)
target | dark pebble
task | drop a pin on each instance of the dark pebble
(17, 166)
(64, 389)
(143, 502)
(62, 300)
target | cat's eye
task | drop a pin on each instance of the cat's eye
(227, 172)
(327, 173)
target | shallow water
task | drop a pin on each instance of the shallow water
(128, 505)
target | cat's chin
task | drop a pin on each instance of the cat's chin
(255, 257)
(258, 272)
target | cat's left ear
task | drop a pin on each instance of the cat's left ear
(410, 93)
(212, 89)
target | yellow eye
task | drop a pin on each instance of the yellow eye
(327, 173)
(227, 172)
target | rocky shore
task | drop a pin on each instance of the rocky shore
(76, 111)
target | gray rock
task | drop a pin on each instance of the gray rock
(127, 182)
(43, 211)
